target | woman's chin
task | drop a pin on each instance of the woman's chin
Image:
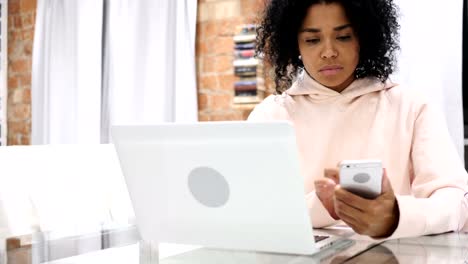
(337, 83)
(334, 85)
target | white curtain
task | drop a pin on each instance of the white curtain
(151, 62)
(431, 57)
(66, 72)
(146, 76)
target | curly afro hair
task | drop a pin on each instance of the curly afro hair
(374, 21)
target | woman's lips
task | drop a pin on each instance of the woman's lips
(330, 70)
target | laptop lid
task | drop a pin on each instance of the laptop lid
(231, 185)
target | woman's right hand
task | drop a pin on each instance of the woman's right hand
(325, 190)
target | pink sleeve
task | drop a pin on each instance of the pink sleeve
(439, 181)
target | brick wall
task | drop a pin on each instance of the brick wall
(216, 25)
(21, 17)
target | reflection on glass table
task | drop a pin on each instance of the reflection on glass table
(443, 248)
(41, 247)
(171, 253)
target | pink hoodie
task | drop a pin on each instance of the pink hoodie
(375, 120)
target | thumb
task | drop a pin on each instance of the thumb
(332, 174)
(386, 185)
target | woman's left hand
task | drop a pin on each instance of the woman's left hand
(375, 218)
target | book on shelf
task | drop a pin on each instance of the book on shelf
(251, 90)
(247, 29)
(250, 87)
(246, 62)
(245, 71)
(253, 70)
(243, 38)
(244, 46)
(249, 84)
(244, 54)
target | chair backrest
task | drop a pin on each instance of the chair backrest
(62, 188)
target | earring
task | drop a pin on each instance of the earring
(300, 57)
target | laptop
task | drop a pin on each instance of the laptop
(230, 185)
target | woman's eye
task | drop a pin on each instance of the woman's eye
(344, 38)
(313, 41)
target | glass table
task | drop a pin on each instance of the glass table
(124, 246)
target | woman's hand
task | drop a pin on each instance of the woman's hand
(325, 190)
(375, 218)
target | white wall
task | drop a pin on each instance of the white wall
(431, 56)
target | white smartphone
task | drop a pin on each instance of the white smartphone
(362, 177)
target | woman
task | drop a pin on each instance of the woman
(332, 60)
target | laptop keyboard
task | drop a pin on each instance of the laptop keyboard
(320, 238)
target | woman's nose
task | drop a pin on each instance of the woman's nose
(329, 51)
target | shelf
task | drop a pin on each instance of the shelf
(245, 106)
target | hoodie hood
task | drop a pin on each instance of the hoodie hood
(305, 85)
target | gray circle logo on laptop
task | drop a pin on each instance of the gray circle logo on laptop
(208, 186)
(361, 177)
